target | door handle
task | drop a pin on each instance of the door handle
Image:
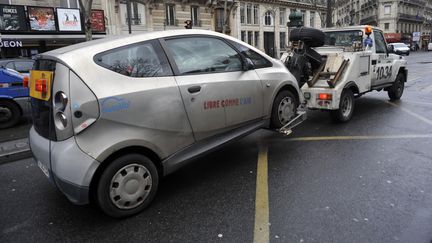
(194, 89)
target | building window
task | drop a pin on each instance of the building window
(303, 12)
(282, 36)
(249, 13)
(63, 3)
(220, 19)
(256, 13)
(137, 13)
(387, 9)
(242, 13)
(268, 18)
(243, 36)
(250, 37)
(195, 15)
(312, 19)
(386, 26)
(256, 38)
(282, 21)
(170, 15)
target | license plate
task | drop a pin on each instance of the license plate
(43, 168)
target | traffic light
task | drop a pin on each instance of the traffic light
(188, 24)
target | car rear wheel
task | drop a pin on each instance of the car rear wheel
(284, 109)
(127, 185)
(395, 92)
(346, 107)
(9, 114)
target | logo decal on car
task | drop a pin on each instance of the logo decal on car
(113, 104)
(214, 104)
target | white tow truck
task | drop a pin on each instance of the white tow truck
(351, 62)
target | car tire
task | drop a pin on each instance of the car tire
(346, 107)
(284, 109)
(396, 90)
(408, 54)
(127, 186)
(310, 36)
(10, 113)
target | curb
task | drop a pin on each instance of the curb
(14, 150)
(18, 155)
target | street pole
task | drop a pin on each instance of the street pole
(329, 14)
(128, 12)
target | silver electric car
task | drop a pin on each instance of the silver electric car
(113, 116)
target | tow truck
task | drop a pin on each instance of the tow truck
(335, 65)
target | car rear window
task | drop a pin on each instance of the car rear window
(144, 59)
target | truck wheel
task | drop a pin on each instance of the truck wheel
(9, 113)
(395, 92)
(346, 107)
(127, 185)
(310, 36)
(284, 109)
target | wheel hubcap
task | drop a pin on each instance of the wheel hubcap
(286, 110)
(5, 114)
(130, 186)
(346, 106)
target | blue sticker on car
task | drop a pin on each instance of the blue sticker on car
(113, 104)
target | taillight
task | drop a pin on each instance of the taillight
(324, 96)
(26, 81)
(41, 85)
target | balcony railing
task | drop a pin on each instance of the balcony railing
(135, 19)
(410, 17)
(368, 20)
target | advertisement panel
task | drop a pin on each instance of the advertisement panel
(97, 20)
(12, 18)
(41, 18)
(416, 36)
(393, 37)
(69, 19)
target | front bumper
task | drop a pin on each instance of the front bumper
(65, 164)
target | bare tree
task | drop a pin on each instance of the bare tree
(86, 6)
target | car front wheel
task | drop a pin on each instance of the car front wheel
(127, 186)
(395, 92)
(284, 109)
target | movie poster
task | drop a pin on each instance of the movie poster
(12, 18)
(97, 20)
(69, 19)
(41, 18)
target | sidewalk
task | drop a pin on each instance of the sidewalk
(14, 150)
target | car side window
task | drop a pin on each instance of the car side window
(380, 46)
(10, 65)
(23, 66)
(203, 55)
(145, 59)
(258, 60)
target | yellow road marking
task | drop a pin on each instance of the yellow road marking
(323, 138)
(422, 118)
(262, 229)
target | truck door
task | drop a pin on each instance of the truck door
(380, 61)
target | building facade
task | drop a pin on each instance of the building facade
(406, 21)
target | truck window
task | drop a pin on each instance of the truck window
(380, 46)
(342, 38)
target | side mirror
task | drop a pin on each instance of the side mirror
(248, 64)
(390, 48)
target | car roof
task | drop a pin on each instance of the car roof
(355, 27)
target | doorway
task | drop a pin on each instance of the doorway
(269, 43)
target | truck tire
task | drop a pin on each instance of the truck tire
(346, 107)
(284, 109)
(310, 36)
(127, 186)
(396, 90)
(10, 113)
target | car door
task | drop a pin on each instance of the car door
(217, 92)
(380, 61)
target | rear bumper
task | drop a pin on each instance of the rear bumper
(68, 168)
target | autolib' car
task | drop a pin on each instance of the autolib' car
(112, 116)
(400, 48)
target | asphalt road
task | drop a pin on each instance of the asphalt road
(364, 181)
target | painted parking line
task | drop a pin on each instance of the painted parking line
(262, 228)
(326, 138)
(422, 118)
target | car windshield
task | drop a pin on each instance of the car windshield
(399, 45)
(343, 38)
